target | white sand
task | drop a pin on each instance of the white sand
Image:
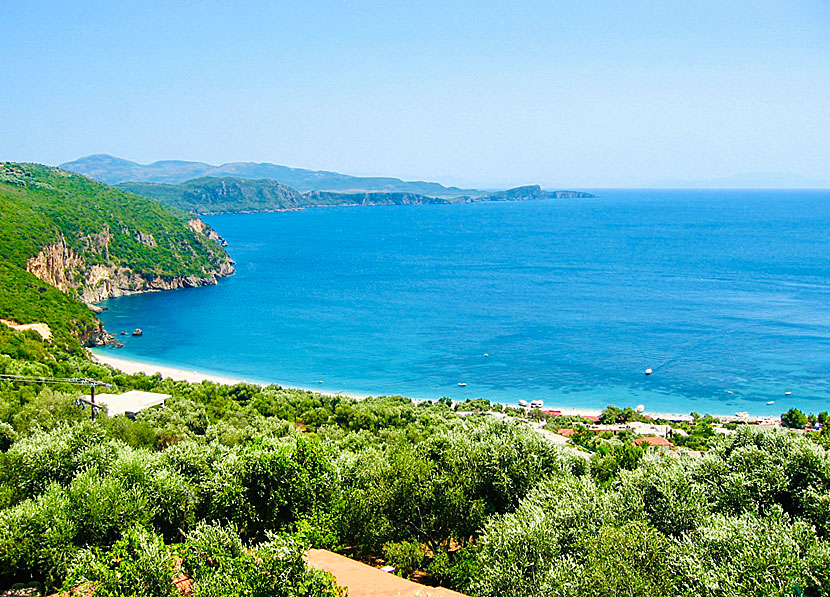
(192, 376)
(132, 367)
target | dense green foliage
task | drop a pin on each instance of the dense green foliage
(91, 224)
(39, 204)
(794, 419)
(486, 506)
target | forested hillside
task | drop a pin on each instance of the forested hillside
(234, 195)
(66, 239)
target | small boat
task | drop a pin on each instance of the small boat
(788, 393)
(486, 354)
(123, 333)
(522, 402)
(640, 408)
(729, 392)
(649, 371)
(461, 384)
(770, 401)
(536, 404)
(138, 332)
(321, 381)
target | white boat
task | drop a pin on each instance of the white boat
(640, 408)
(536, 404)
(649, 371)
(461, 384)
(788, 393)
(522, 402)
(771, 402)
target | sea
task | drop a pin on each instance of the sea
(724, 294)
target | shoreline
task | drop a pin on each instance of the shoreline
(130, 367)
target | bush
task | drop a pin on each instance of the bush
(138, 565)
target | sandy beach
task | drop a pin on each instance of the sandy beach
(193, 376)
(132, 367)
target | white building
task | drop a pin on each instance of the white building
(129, 402)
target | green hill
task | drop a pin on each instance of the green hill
(112, 170)
(233, 195)
(212, 195)
(66, 240)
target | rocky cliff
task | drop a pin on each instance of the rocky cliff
(62, 267)
(66, 240)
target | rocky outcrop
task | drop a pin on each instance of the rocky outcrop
(198, 226)
(60, 266)
(103, 282)
(57, 265)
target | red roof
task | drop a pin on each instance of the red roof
(653, 441)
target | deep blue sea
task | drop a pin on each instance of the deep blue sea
(724, 294)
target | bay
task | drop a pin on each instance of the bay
(723, 293)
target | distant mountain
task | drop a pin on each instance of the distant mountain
(233, 195)
(112, 170)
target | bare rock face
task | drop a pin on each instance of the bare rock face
(56, 265)
(148, 240)
(60, 266)
(200, 227)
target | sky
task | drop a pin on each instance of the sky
(483, 94)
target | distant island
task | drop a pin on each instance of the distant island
(251, 187)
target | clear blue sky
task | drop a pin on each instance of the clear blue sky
(581, 94)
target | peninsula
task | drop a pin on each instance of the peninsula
(249, 187)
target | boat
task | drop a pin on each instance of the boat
(649, 371)
(640, 408)
(461, 384)
(788, 393)
(536, 404)
(770, 401)
(522, 402)
(138, 332)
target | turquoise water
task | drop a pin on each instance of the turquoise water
(723, 293)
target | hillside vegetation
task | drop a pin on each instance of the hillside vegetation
(229, 484)
(65, 238)
(234, 195)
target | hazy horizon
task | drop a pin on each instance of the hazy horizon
(485, 95)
